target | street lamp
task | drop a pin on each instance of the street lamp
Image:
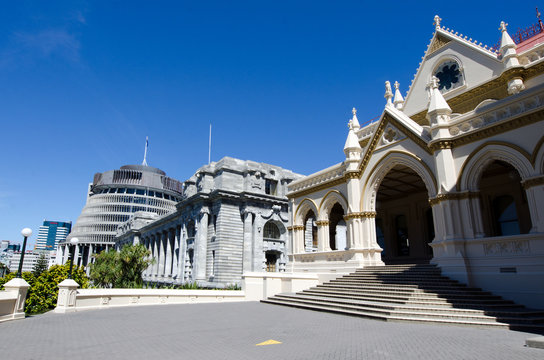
(26, 232)
(74, 242)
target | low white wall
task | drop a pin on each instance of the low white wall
(8, 301)
(108, 298)
(509, 266)
(258, 286)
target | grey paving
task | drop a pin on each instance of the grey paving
(232, 330)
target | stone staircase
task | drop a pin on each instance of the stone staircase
(415, 293)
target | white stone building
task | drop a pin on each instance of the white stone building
(452, 174)
(232, 219)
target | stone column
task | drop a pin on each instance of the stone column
(248, 241)
(201, 246)
(169, 245)
(19, 287)
(155, 242)
(176, 255)
(182, 252)
(66, 301)
(322, 235)
(259, 260)
(136, 239)
(162, 254)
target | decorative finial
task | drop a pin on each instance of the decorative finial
(503, 26)
(388, 92)
(350, 124)
(436, 22)
(434, 82)
(396, 85)
(539, 21)
(354, 111)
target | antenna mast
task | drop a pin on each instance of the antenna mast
(144, 163)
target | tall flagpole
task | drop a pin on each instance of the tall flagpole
(210, 145)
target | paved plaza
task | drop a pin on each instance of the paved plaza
(232, 330)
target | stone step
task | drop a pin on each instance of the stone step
(404, 299)
(415, 290)
(520, 327)
(428, 313)
(417, 293)
(377, 284)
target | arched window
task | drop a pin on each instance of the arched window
(271, 231)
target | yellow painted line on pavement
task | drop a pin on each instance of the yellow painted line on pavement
(268, 342)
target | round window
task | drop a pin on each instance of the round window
(450, 76)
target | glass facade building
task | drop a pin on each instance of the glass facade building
(52, 233)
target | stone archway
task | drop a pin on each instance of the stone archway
(397, 192)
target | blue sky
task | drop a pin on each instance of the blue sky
(83, 83)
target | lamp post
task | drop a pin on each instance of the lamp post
(74, 242)
(26, 232)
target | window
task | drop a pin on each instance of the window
(450, 76)
(140, 192)
(270, 187)
(271, 231)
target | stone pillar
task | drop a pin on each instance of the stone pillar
(248, 242)
(534, 189)
(136, 239)
(182, 252)
(66, 254)
(259, 259)
(162, 254)
(155, 242)
(19, 287)
(323, 235)
(176, 254)
(66, 301)
(168, 237)
(201, 246)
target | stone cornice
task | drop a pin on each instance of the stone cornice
(452, 196)
(360, 215)
(536, 181)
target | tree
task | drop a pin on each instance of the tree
(40, 266)
(121, 269)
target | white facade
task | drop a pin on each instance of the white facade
(452, 174)
(29, 261)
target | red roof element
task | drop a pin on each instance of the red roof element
(530, 42)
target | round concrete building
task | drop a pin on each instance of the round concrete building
(112, 199)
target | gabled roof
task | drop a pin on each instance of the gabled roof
(443, 40)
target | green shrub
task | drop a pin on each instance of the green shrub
(43, 292)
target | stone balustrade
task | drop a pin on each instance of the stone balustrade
(335, 172)
(12, 300)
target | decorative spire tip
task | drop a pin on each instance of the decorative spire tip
(436, 22)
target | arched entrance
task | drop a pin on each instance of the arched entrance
(404, 221)
(337, 228)
(504, 204)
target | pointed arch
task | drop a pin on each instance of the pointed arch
(302, 209)
(328, 201)
(477, 161)
(388, 162)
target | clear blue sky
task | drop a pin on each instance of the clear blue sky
(83, 83)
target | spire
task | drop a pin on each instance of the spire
(354, 120)
(399, 100)
(510, 60)
(388, 93)
(144, 163)
(352, 142)
(437, 104)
